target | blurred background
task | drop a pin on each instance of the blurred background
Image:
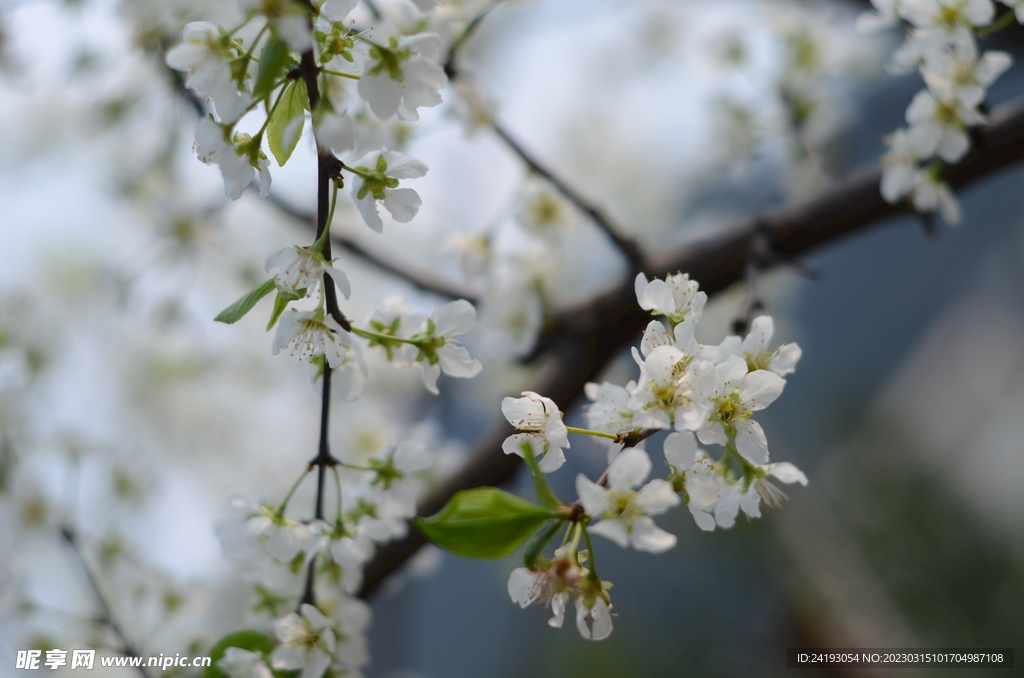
(126, 410)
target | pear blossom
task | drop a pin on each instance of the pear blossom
(337, 10)
(957, 73)
(747, 497)
(512, 320)
(402, 76)
(391, 317)
(381, 183)
(232, 158)
(947, 15)
(542, 428)
(755, 351)
(622, 514)
(900, 167)
(298, 268)
(670, 390)
(311, 333)
(439, 351)
(695, 474)
(939, 125)
(204, 57)
(348, 380)
(736, 395)
(594, 622)
(239, 663)
(287, 18)
(676, 297)
(307, 642)
(282, 537)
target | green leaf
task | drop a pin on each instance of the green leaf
(484, 523)
(538, 542)
(237, 310)
(253, 641)
(285, 126)
(272, 65)
(280, 304)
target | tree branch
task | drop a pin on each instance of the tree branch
(584, 339)
(106, 617)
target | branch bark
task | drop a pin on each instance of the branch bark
(585, 338)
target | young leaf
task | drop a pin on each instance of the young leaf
(253, 641)
(285, 126)
(272, 62)
(237, 310)
(280, 304)
(484, 523)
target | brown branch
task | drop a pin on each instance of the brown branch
(106, 616)
(586, 338)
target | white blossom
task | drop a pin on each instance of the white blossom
(701, 483)
(736, 496)
(381, 171)
(594, 622)
(781, 361)
(947, 15)
(609, 408)
(670, 390)
(938, 126)
(298, 268)
(311, 333)
(677, 297)
(307, 642)
(235, 165)
(438, 351)
(203, 56)
(288, 19)
(622, 514)
(239, 663)
(403, 76)
(956, 72)
(541, 428)
(884, 16)
(736, 395)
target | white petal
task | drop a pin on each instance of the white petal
(657, 496)
(760, 388)
(679, 449)
(593, 497)
(786, 472)
(402, 203)
(630, 468)
(751, 442)
(612, 529)
(648, 537)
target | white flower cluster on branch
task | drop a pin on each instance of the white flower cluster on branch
(942, 46)
(697, 392)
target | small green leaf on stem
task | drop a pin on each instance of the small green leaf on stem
(484, 523)
(273, 59)
(237, 310)
(285, 126)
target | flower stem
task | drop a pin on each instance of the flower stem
(352, 76)
(284, 502)
(999, 24)
(589, 432)
(370, 334)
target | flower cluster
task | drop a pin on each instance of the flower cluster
(942, 45)
(709, 393)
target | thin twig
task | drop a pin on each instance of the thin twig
(106, 616)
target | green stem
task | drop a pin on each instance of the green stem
(590, 554)
(540, 482)
(337, 483)
(370, 334)
(351, 76)
(358, 172)
(318, 245)
(284, 503)
(998, 25)
(354, 467)
(589, 432)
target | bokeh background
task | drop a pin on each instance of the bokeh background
(125, 408)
